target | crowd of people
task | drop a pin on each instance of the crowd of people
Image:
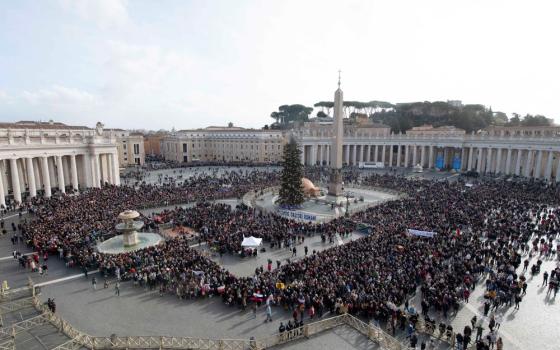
(480, 230)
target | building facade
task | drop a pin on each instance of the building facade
(37, 157)
(226, 144)
(152, 144)
(532, 152)
(130, 147)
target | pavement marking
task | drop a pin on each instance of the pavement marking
(63, 279)
(13, 215)
(11, 257)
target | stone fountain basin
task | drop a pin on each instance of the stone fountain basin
(115, 245)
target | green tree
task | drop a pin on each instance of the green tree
(536, 120)
(291, 113)
(291, 189)
(321, 114)
(500, 118)
(328, 105)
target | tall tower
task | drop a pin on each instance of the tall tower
(335, 181)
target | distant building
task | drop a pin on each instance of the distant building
(517, 131)
(130, 147)
(38, 157)
(152, 143)
(455, 103)
(441, 131)
(224, 143)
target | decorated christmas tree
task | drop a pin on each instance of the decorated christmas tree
(291, 190)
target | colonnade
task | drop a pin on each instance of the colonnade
(30, 175)
(533, 161)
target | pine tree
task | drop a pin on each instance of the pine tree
(291, 190)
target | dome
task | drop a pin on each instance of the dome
(309, 189)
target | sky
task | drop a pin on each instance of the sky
(188, 64)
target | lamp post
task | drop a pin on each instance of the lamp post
(347, 195)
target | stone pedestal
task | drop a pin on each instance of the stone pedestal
(335, 183)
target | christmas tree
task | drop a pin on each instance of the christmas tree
(291, 190)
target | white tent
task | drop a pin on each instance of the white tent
(251, 242)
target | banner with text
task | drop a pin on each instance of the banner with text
(419, 233)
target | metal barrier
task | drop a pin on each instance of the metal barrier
(80, 339)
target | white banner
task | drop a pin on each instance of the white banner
(419, 233)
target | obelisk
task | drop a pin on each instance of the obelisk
(335, 181)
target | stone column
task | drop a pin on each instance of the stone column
(471, 155)
(558, 171)
(414, 156)
(67, 171)
(60, 171)
(368, 153)
(46, 176)
(390, 155)
(88, 172)
(355, 155)
(375, 154)
(21, 173)
(406, 150)
(4, 167)
(398, 163)
(31, 177)
(347, 155)
(431, 158)
(109, 165)
(488, 160)
(548, 170)
(445, 157)
(499, 161)
(383, 154)
(528, 163)
(423, 156)
(479, 160)
(37, 173)
(74, 172)
(538, 168)
(508, 162)
(116, 175)
(96, 171)
(52, 175)
(2, 193)
(463, 158)
(517, 162)
(314, 155)
(15, 180)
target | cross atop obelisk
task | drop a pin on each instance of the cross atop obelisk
(335, 181)
(339, 71)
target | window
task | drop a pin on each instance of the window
(137, 161)
(136, 148)
(184, 147)
(124, 146)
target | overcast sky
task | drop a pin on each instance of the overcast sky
(185, 64)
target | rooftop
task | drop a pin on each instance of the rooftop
(27, 124)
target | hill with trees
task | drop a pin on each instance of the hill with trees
(404, 116)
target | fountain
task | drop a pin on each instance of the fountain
(129, 239)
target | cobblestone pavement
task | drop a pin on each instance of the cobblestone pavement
(246, 266)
